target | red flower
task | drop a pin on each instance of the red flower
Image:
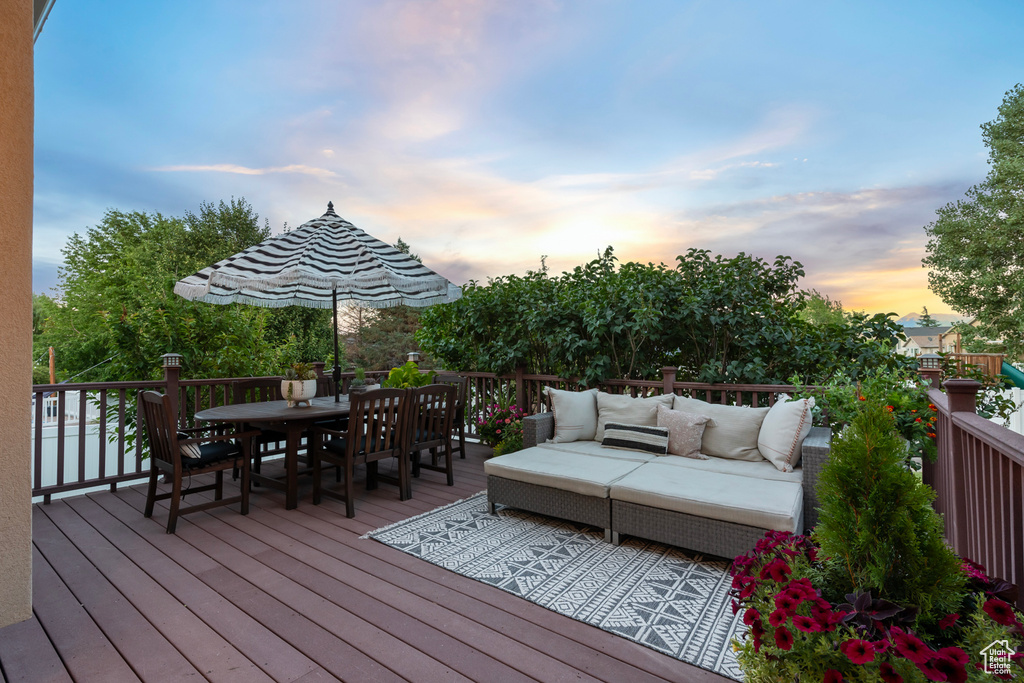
(778, 617)
(931, 406)
(806, 624)
(910, 646)
(858, 651)
(833, 676)
(783, 638)
(1000, 612)
(948, 621)
(917, 419)
(953, 670)
(889, 674)
(956, 654)
(881, 645)
(861, 398)
(785, 602)
(888, 408)
(777, 569)
(757, 631)
(750, 616)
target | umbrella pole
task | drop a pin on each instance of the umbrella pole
(337, 368)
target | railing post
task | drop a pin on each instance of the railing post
(172, 373)
(962, 395)
(521, 387)
(318, 367)
(933, 376)
(668, 378)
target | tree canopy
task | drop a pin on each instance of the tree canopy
(976, 245)
(115, 312)
(926, 320)
(717, 319)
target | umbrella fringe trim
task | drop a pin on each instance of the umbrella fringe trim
(309, 303)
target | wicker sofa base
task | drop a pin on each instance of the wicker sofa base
(711, 536)
(549, 501)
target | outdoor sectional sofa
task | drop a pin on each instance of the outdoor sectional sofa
(715, 505)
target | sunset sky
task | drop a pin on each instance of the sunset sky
(489, 133)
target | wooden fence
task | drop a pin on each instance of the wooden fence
(978, 479)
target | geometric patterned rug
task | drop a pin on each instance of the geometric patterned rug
(652, 594)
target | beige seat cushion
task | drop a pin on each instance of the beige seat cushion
(595, 449)
(742, 500)
(762, 469)
(783, 431)
(575, 414)
(628, 410)
(583, 474)
(734, 434)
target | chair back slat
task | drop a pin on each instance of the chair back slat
(257, 390)
(163, 437)
(432, 412)
(377, 424)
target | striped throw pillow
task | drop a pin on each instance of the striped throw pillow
(636, 438)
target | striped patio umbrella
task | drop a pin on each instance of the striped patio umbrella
(319, 264)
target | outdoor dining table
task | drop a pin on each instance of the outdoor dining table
(276, 415)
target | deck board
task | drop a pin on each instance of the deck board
(289, 595)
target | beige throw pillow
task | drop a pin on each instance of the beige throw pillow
(734, 434)
(684, 431)
(783, 432)
(575, 414)
(627, 410)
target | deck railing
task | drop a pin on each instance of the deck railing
(98, 446)
(978, 479)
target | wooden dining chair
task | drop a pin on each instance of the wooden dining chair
(431, 412)
(461, 385)
(178, 453)
(377, 430)
(256, 390)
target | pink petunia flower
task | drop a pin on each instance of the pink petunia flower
(832, 676)
(889, 674)
(750, 616)
(1000, 612)
(858, 651)
(783, 638)
(778, 617)
(948, 621)
(910, 646)
(806, 624)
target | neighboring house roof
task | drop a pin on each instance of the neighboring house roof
(40, 10)
(926, 336)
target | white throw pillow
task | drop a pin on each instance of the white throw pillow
(628, 410)
(684, 431)
(575, 414)
(783, 432)
(735, 431)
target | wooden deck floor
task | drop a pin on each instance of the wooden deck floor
(287, 595)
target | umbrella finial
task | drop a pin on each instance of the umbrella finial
(330, 207)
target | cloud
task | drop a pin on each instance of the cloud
(245, 170)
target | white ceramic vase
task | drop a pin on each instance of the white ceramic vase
(298, 391)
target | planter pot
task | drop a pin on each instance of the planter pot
(298, 391)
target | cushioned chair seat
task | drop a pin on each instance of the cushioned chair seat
(211, 453)
(565, 471)
(595, 448)
(338, 445)
(755, 470)
(764, 504)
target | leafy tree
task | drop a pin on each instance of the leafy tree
(716, 319)
(385, 336)
(976, 246)
(877, 526)
(819, 309)
(926, 320)
(117, 313)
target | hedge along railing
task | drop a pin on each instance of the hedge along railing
(113, 421)
(978, 479)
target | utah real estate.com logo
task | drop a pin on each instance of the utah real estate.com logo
(996, 658)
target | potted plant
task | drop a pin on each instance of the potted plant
(358, 383)
(407, 376)
(874, 595)
(299, 384)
